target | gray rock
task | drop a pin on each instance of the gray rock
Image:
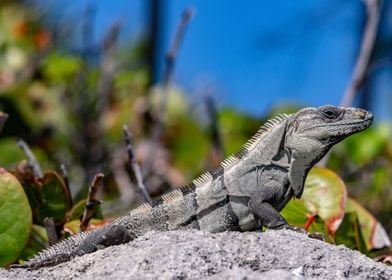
(230, 255)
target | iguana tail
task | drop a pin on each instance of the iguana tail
(80, 244)
(58, 253)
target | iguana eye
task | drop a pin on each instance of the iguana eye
(330, 113)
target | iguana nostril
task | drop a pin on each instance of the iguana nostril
(362, 114)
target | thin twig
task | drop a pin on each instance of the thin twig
(3, 119)
(64, 175)
(31, 160)
(50, 231)
(91, 202)
(88, 30)
(217, 147)
(170, 59)
(108, 67)
(135, 166)
(171, 55)
(367, 45)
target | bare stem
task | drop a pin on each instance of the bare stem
(217, 146)
(50, 230)
(135, 166)
(31, 160)
(3, 118)
(170, 59)
(64, 175)
(107, 67)
(367, 45)
(91, 202)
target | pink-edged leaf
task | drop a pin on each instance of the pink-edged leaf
(373, 232)
(325, 195)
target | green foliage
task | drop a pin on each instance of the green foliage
(38, 241)
(48, 196)
(350, 234)
(59, 68)
(15, 217)
(71, 112)
(364, 161)
(325, 207)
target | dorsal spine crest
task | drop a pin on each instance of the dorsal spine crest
(224, 165)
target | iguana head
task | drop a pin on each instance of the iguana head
(324, 126)
(311, 132)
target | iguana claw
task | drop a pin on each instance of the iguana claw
(314, 235)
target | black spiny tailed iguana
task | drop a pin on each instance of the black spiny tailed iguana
(245, 192)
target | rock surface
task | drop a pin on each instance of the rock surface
(201, 255)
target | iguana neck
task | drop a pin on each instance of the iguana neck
(301, 162)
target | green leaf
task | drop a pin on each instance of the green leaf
(15, 217)
(296, 213)
(72, 227)
(325, 195)
(55, 198)
(36, 243)
(349, 233)
(77, 210)
(373, 233)
(48, 197)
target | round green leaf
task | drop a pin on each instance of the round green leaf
(15, 217)
(325, 195)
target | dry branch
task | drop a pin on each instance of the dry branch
(362, 64)
(217, 147)
(367, 45)
(170, 59)
(50, 230)
(135, 166)
(31, 160)
(91, 202)
(107, 67)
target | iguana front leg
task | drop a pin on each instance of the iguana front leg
(261, 205)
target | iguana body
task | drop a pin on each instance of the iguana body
(244, 193)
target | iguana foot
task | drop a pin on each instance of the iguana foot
(314, 235)
(293, 228)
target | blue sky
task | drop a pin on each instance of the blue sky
(254, 54)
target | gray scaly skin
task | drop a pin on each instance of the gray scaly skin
(247, 190)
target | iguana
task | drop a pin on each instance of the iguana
(245, 192)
